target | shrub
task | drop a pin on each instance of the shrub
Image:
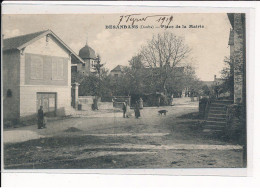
(164, 100)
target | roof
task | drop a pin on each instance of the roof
(20, 42)
(231, 19)
(208, 83)
(118, 68)
(87, 53)
(231, 38)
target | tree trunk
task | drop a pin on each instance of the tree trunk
(164, 87)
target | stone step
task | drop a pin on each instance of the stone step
(224, 101)
(216, 122)
(206, 130)
(218, 108)
(215, 115)
(212, 118)
(219, 104)
(217, 112)
(213, 126)
(220, 123)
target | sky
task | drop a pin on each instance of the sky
(116, 46)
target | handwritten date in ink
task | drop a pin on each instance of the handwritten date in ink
(137, 18)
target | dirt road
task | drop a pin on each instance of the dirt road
(110, 141)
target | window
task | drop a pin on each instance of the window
(116, 75)
(57, 69)
(36, 67)
(9, 93)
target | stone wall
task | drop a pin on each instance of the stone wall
(119, 100)
(236, 122)
(11, 81)
(87, 101)
(238, 57)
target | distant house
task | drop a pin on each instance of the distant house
(215, 82)
(117, 71)
(218, 81)
(208, 83)
(36, 72)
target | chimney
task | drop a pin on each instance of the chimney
(215, 77)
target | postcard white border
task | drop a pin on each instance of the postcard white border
(113, 7)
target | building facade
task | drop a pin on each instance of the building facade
(89, 57)
(237, 43)
(36, 72)
(117, 71)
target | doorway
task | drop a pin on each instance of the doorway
(48, 101)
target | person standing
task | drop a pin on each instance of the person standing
(141, 103)
(137, 110)
(127, 113)
(171, 100)
(124, 109)
(40, 118)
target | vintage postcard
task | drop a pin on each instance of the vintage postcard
(124, 90)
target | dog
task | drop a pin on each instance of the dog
(162, 112)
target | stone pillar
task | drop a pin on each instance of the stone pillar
(238, 58)
(75, 95)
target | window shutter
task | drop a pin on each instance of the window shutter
(36, 67)
(60, 69)
(33, 71)
(54, 69)
(57, 69)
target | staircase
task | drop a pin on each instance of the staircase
(216, 120)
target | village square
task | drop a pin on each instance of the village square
(67, 109)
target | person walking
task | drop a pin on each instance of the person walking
(137, 110)
(40, 118)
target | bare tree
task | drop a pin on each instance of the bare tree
(164, 52)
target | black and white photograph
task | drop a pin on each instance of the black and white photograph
(124, 91)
